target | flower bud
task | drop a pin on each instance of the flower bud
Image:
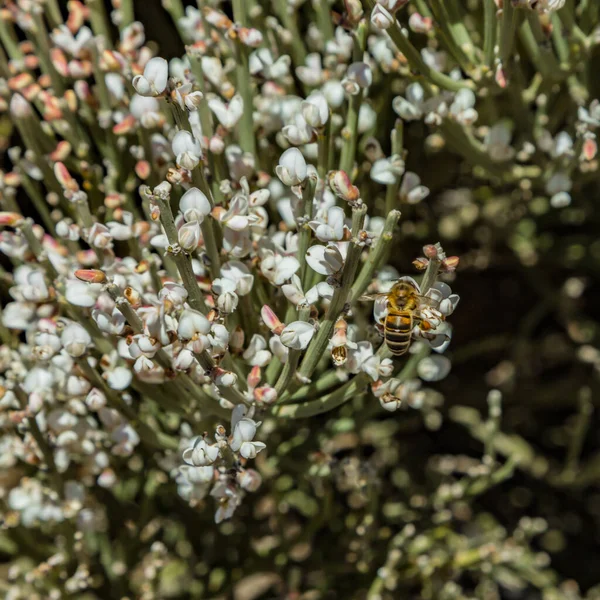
(381, 18)
(19, 107)
(189, 236)
(224, 378)
(75, 340)
(315, 110)
(10, 219)
(271, 321)
(91, 275)
(265, 395)
(297, 335)
(292, 169)
(342, 186)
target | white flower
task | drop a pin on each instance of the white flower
(74, 45)
(154, 80)
(228, 114)
(497, 142)
(325, 260)
(448, 301)
(376, 368)
(410, 108)
(333, 91)
(186, 149)
(192, 323)
(411, 190)
(194, 205)
(82, 294)
(228, 498)
(292, 169)
(241, 439)
(174, 293)
(119, 378)
(387, 171)
(297, 335)
(358, 77)
(257, 354)
(544, 6)
(200, 454)
(240, 275)
(261, 61)
(433, 368)
(278, 269)
(227, 299)
(333, 230)
(18, 315)
(311, 73)
(75, 340)
(462, 109)
(381, 18)
(315, 110)
(299, 132)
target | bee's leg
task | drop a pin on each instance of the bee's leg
(422, 324)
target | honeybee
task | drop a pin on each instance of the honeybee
(403, 313)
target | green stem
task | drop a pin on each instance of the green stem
(153, 439)
(489, 31)
(376, 256)
(246, 125)
(293, 358)
(414, 59)
(341, 296)
(305, 232)
(99, 20)
(182, 260)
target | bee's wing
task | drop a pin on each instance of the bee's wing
(371, 297)
(428, 301)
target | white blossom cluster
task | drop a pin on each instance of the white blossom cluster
(189, 240)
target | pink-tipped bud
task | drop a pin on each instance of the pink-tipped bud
(216, 18)
(71, 99)
(20, 82)
(142, 169)
(590, 149)
(31, 92)
(250, 37)
(342, 186)
(64, 177)
(254, 377)
(430, 251)
(224, 378)
(59, 61)
(61, 152)
(265, 395)
(45, 81)
(113, 201)
(12, 179)
(10, 219)
(449, 264)
(127, 125)
(270, 320)
(501, 78)
(78, 13)
(91, 275)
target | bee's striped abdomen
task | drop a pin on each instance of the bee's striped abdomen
(398, 329)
